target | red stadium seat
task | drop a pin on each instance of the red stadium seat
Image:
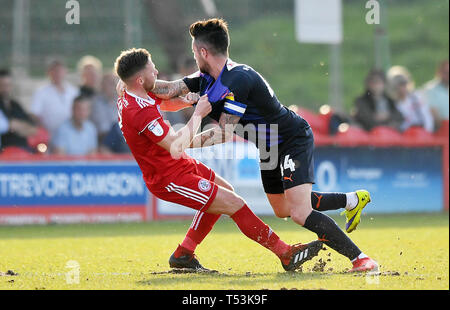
(353, 136)
(385, 136)
(317, 122)
(443, 130)
(41, 136)
(14, 152)
(322, 139)
(325, 122)
(417, 133)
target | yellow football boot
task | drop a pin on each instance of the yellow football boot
(354, 215)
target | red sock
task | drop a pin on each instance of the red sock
(200, 227)
(180, 251)
(255, 229)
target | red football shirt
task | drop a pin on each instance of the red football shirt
(142, 126)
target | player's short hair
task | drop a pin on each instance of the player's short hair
(212, 32)
(130, 62)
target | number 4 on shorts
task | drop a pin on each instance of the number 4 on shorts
(288, 164)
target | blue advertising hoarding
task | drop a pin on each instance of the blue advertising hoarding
(399, 179)
(72, 191)
(42, 191)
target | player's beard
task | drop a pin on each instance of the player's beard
(149, 86)
(203, 67)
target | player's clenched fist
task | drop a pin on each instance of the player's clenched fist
(192, 98)
(203, 107)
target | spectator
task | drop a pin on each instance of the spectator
(52, 104)
(114, 142)
(374, 108)
(20, 123)
(104, 108)
(436, 94)
(90, 70)
(412, 106)
(77, 136)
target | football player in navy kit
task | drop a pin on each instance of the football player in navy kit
(244, 103)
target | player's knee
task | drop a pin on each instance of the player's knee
(298, 218)
(237, 201)
(233, 202)
(299, 214)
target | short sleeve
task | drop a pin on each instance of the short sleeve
(236, 100)
(193, 82)
(150, 123)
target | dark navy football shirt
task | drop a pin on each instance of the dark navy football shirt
(241, 91)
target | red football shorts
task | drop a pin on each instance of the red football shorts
(193, 187)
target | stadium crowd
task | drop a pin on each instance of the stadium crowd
(81, 120)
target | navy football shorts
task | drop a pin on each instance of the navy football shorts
(295, 165)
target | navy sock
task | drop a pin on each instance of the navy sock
(329, 232)
(328, 201)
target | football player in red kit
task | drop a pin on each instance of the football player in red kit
(170, 174)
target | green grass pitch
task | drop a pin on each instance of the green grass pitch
(413, 251)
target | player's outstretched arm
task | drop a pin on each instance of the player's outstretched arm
(170, 89)
(179, 103)
(176, 142)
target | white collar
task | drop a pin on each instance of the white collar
(149, 100)
(230, 64)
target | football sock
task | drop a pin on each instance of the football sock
(329, 233)
(328, 201)
(203, 223)
(200, 227)
(180, 251)
(352, 200)
(189, 244)
(360, 256)
(255, 229)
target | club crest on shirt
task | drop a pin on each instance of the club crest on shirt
(204, 185)
(156, 128)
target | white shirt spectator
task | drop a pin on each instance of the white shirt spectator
(52, 106)
(415, 113)
(104, 113)
(74, 141)
(437, 97)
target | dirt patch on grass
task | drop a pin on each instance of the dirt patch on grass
(185, 270)
(8, 273)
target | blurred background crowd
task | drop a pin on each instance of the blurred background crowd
(70, 108)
